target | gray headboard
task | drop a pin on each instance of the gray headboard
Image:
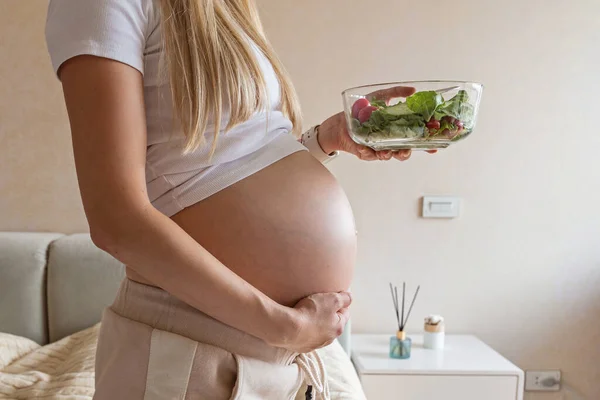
(52, 285)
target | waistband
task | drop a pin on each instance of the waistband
(159, 309)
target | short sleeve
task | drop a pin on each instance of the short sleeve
(114, 29)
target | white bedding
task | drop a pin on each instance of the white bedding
(64, 370)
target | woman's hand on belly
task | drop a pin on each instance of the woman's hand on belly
(315, 322)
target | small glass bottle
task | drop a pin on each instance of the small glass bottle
(400, 346)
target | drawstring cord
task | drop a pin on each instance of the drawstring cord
(315, 375)
(308, 394)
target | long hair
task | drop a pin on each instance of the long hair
(211, 65)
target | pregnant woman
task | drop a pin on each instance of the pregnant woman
(239, 244)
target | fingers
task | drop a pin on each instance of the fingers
(391, 93)
(385, 155)
(344, 315)
(343, 300)
(403, 155)
(367, 154)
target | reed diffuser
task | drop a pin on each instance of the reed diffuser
(401, 345)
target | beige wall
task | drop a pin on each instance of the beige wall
(520, 267)
(38, 186)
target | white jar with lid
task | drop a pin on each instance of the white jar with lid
(434, 335)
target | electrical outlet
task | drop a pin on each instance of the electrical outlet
(543, 381)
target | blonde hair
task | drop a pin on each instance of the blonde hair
(211, 65)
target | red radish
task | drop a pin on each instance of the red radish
(450, 134)
(365, 114)
(433, 124)
(359, 105)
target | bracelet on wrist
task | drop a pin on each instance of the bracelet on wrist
(310, 140)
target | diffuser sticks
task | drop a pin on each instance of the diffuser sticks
(400, 345)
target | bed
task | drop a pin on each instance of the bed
(53, 289)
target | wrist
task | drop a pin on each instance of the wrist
(324, 139)
(310, 139)
(284, 324)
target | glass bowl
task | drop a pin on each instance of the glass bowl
(388, 117)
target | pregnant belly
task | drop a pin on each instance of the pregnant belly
(288, 230)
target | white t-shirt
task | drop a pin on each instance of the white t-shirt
(129, 31)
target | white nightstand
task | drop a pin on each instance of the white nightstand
(466, 369)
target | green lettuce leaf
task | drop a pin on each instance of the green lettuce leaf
(402, 128)
(398, 109)
(378, 103)
(425, 103)
(457, 107)
(379, 118)
(382, 125)
(446, 125)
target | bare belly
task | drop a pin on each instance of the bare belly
(288, 230)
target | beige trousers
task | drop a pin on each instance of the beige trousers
(153, 346)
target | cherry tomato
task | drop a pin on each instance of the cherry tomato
(359, 105)
(365, 114)
(459, 125)
(433, 124)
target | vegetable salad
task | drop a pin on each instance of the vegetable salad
(424, 115)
